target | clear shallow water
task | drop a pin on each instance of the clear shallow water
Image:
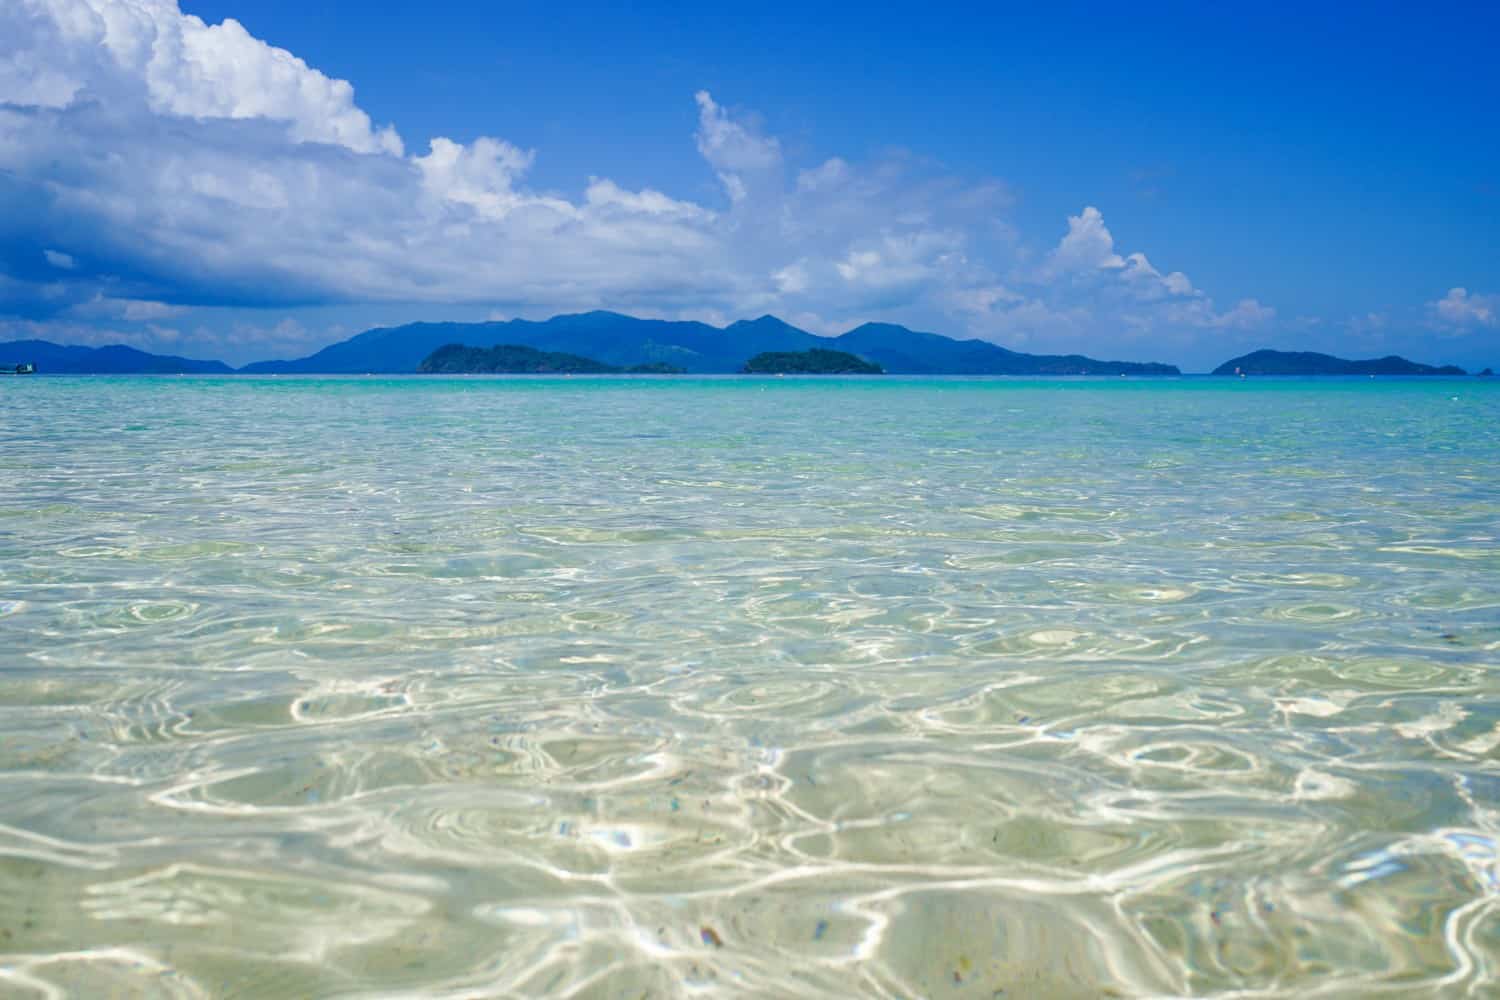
(392, 687)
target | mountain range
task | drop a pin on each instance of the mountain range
(116, 359)
(627, 342)
(624, 341)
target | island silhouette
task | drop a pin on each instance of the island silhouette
(602, 341)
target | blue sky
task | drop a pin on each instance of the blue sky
(1177, 183)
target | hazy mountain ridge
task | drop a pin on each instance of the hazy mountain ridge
(114, 359)
(912, 352)
(624, 341)
(612, 338)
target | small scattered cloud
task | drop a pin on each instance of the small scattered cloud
(287, 336)
(982, 300)
(1150, 183)
(60, 260)
(604, 194)
(899, 260)
(129, 310)
(1370, 324)
(1247, 314)
(1151, 284)
(730, 145)
(1199, 312)
(1461, 309)
(830, 174)
(792, 279)
(734, 150)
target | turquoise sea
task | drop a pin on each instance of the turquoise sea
(614, 687)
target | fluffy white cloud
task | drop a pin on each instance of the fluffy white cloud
(214, 168)
(729, 145)
(1088, 246)
(205, 166)
(64, 51)
(735, 151)
(1086, 278)
(1150, 283)
(904, 259)
(1459, 308)
(481, 176)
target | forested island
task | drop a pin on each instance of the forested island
(816, 361)
(516, 359)
(1268, 362)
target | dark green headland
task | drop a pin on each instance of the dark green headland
(816, 361)
(517, 359)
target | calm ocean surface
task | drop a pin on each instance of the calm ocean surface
(658, 687)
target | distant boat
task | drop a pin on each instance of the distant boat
(21, 369)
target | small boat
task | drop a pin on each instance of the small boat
(21, 369)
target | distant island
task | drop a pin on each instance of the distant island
(816, 361)
(608, 342)
(1268, 362)
(517, 359)
(626, 341)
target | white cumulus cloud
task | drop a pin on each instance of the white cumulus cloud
(204, 166)
(1088, 245)
(1462, 309)
(1085, 275)
(63, 51)
(1150, 283)
(729, 145)
(481, 175)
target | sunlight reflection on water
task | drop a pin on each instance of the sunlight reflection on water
(611, 687)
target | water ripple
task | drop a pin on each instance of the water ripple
(1006, 688)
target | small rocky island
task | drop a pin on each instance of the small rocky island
(816, 361)
(1267, 362)
(515, 359)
